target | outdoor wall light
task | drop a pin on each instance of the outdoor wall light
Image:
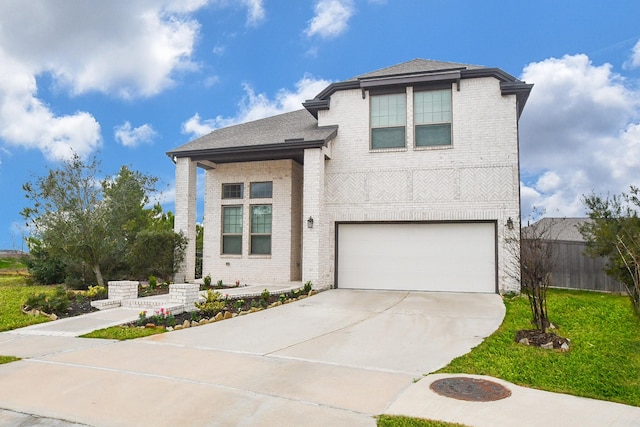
(310, 222)
(510, 223)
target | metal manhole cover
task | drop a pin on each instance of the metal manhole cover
(471, 389)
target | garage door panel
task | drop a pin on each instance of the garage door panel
(455, 257)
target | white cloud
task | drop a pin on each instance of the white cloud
(331, 18)
(255, 11)
(120, 48)
(256, 106)
(132, 137)
(197, 127)
(579, 133)
(634, 60)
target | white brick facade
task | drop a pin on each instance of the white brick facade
(285, 263)
(474, 179)
(337, 178)
(185, 218)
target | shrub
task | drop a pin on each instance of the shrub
(96, 292)
(207, 280)
(308, 286)
(57, 303)
(212, 304)
(153, 282)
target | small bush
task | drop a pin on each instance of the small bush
(153, 282)
(308, 286)
(96, 292)
(57, 303)
(207, 280)
(212, 304)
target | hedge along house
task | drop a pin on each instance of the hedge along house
(402, 178)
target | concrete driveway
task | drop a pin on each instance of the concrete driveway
(337, 358)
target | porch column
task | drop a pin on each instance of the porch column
(313, 207)
(185, 216)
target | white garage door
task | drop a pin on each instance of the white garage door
(451, 257)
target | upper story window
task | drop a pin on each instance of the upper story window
(261, 190)
(232, 191)
(388, 120)
(432, 117)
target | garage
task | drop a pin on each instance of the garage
(447, 257)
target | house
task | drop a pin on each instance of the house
(402, 178)
(571, 267)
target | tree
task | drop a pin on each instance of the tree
(614, 233)
(69, 215)
(44, 268)
(534, 260)
(103, 225)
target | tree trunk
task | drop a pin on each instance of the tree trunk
(98, 273)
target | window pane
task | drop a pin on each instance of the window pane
(388, 110)
(431, 135)
(232, 219)
(261, 190)
(387, 138)
(232, 191)
(261, 245)
(261, 219)
(232, 245)
(432, 106)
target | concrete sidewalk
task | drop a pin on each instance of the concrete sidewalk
(338, 358)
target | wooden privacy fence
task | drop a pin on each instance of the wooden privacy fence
(575, 270)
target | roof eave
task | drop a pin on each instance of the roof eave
(290, 148)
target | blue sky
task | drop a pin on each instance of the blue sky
(128, 81)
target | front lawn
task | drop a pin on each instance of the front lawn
(604, 357)
(13, 293)
(400, 421)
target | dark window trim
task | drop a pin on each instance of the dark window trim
(251, 233)
(251, 196)
(223, 234)
(241, 184)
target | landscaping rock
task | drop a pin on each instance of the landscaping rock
(178, 327)
(547, 346)
(150, 325)
(227, 315)
(219, 316)
(186, 324)
(564, 347)
(195, 323)
(524, 341)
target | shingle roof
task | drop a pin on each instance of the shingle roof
(417, 66)
(296, 126)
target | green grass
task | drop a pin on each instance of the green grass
(604, 357)
(13, 293)
(8, 359)
(399, 421)
(123, 333)
(11, 264)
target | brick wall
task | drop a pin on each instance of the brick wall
(474, 179)
(185, 215)
(284, 263)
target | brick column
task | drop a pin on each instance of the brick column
(313, 241)
(185, 215)
(186, 294)
(122, 289)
